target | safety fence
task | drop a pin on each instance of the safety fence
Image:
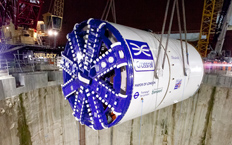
(4, 68)
(10, 66)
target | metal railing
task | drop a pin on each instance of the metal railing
(4, 67)
(11, 66)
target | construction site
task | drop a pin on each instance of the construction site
(115, 72)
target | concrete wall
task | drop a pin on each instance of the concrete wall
(203, 119)
(24, 82)
(38, 117)
(42, 116)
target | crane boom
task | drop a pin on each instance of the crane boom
(206, 23)
(222, 35)
(59, 8)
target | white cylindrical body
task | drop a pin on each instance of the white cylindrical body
(172, 85)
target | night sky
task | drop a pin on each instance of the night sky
(147, 14)
(139, 14)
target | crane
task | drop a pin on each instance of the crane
(22, 13)
(215, 18)
(208, 23)
(18, 22)
(54, 17)
(22, 35)
(222, 26)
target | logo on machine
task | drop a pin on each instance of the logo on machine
(178, 84)
(139, 50)
(158, 90)
(136, 95)
(141, 53)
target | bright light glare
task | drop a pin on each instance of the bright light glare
(35, 35)
(7, 28)
(55, 33)
(50, 32)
